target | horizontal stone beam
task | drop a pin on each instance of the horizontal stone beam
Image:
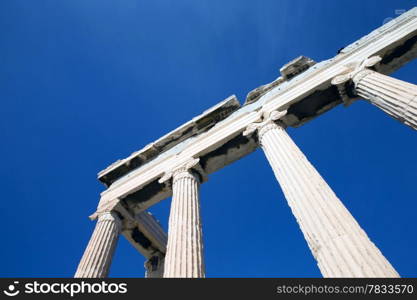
(194, 127)
(304, 97)
(146, 235)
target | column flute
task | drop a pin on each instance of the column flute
(98, 255)
(337, 242)
(184, 257)
(395, 97)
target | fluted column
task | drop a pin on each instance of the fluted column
(395, 97)
(184, 256)
(98, 255)
(340, 246)
(155, 266)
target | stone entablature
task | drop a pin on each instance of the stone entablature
(304, 97)
(179, 162)
(194, 127)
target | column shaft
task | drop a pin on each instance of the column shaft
(98, 255)
(184, 257)
(396, 97)
(155, 266)
(340, 246)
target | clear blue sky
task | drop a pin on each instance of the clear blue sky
(84, 83)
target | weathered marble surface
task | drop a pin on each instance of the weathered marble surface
(146, 235)
(395, 97)
(185, 257)
(337, 242)
(304, 97)
(191, 128)
(216, 138)
(98, 255)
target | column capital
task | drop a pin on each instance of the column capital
(267, 121)
(114, 208)
(98, 255)
(188, 168)
(184, 254)
(353, 73)
(338, 243)
(395, 97)
(109, 216)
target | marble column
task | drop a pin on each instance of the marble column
(98, 255)
(184, 256)
(338, 243)
(395, 97)
(155, 266)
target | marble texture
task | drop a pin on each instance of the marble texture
(98, 255)
(184, 257)
(337, 242)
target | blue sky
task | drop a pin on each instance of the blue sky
(84, 83)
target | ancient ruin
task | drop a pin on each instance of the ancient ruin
(179, 162)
